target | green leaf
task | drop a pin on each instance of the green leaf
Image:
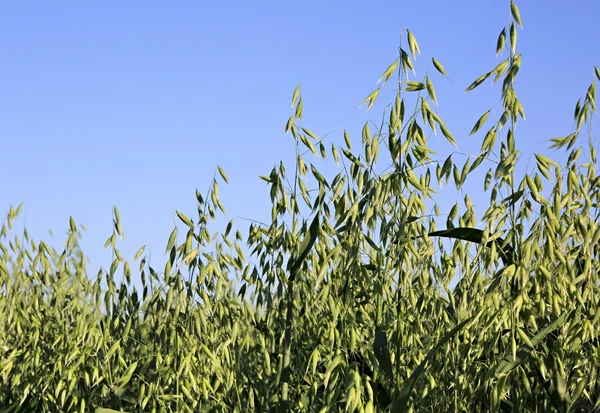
(103, 410)
(336, 361)
(380, 348)
(401, 404)
(476, 235)
(508, 364)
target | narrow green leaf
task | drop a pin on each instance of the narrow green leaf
(331, 366)
(401, 404)
(508, 364)
(380, 348)
(476, 235)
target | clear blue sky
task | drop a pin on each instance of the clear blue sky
(134, 103)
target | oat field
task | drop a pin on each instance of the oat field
(360, 295)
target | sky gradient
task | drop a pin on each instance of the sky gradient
(134, 103)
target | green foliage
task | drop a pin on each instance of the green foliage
(365, 307)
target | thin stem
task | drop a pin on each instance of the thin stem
(287, 341)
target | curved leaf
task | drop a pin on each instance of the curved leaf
(401, 403)
(476, 235)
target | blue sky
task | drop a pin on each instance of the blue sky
(134, 103)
